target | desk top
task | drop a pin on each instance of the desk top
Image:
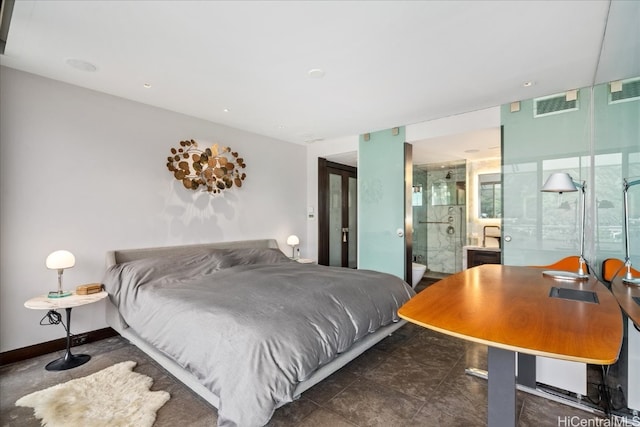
(509, 307)
(624, 294)
(43, 302)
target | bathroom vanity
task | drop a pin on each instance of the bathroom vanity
(478, 255)
(489, 253)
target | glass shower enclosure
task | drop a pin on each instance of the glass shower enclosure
(439, 216)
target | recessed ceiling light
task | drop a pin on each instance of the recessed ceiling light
(81, 65)
(226, 110)
(316, 73)
(147, 85)
(527, 84)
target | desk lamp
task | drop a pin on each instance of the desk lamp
(561, 182)
(59, 260)
(628, 278)
(293, 241)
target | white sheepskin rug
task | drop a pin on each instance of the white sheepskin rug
(114, 397)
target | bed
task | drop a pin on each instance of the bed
(244, 326)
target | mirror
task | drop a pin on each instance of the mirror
(490, 195)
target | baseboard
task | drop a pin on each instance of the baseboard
(35, 350)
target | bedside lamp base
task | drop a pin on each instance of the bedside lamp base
(56, 294)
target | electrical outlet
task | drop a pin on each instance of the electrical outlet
(79, 339)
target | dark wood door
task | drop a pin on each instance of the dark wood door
(337, 214)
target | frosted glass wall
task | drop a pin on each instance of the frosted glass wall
(616, 156)
(598, 143)
(381, 207)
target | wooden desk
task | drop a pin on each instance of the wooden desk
(625, 294)
(509, 309)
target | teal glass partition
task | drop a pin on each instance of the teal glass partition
(381, 199)
(616, 156)
(539, 139)
(597, 141)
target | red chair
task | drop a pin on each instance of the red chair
(613, 267)
(570, 263)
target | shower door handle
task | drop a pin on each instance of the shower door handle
(345, 230)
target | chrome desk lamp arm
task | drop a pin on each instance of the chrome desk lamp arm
(628, 277)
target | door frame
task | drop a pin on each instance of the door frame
(408, 212)
(325, 167)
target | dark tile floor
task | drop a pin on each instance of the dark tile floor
(415, 377)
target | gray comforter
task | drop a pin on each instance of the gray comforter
(250, 323)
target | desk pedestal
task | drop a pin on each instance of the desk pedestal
(68, 361)
(502, 387)
(632, 348)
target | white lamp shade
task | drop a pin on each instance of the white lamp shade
(293, 240)
(559, 182)
(59, 260)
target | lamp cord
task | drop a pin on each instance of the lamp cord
(53, 318)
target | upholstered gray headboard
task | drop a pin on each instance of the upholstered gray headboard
(124, 255)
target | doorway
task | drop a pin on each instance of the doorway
(337, 216)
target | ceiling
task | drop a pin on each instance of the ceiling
(250, 65)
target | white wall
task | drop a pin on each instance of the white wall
(84, 171)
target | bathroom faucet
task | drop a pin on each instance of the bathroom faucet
(484, 235)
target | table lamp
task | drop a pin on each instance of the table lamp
(293, 241)
(628, 278)
(59, 260)
(561, 182)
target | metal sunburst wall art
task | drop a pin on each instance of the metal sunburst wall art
(213, 169)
